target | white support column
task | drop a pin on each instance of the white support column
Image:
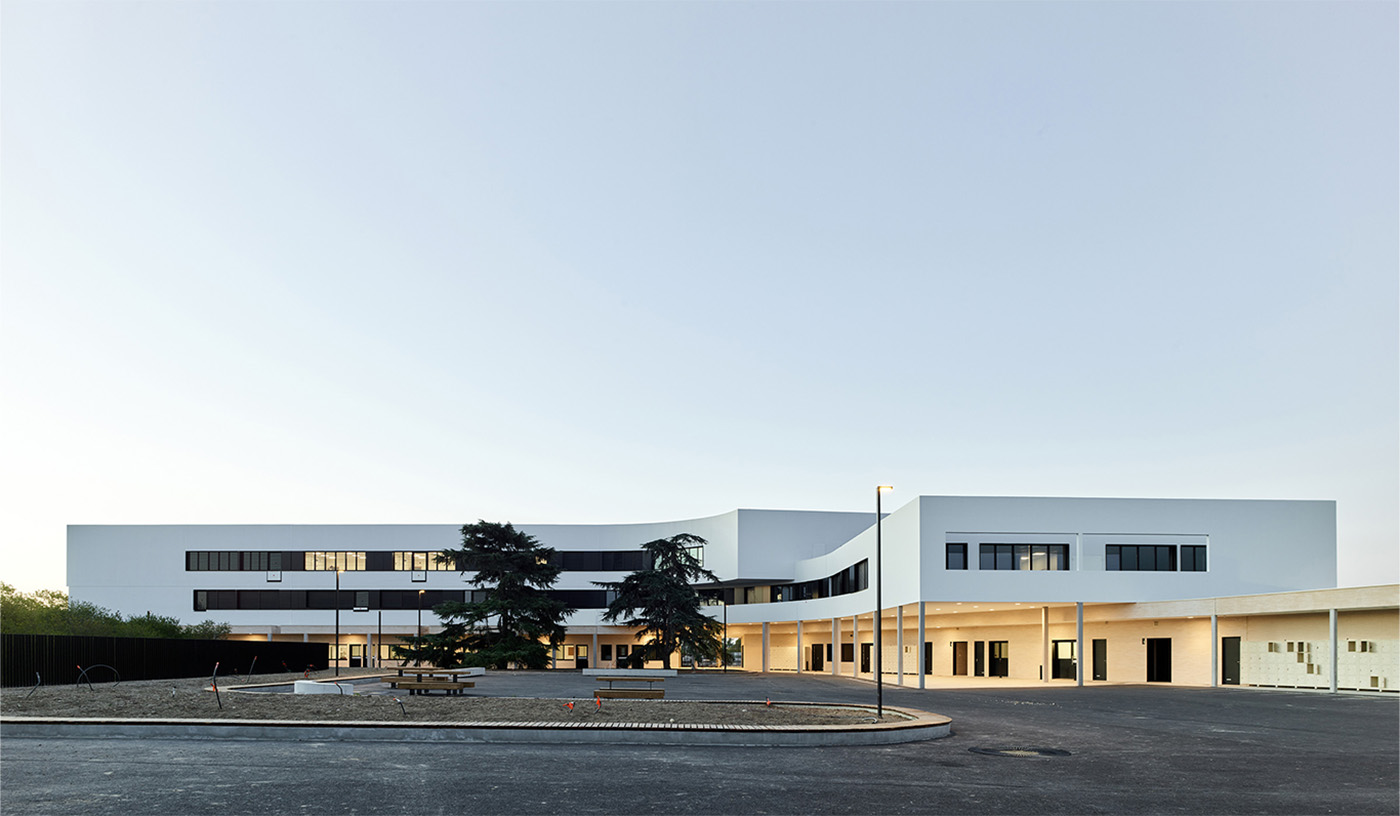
(765, 647)
(855, 645)
(305, 638)
(1214, 650)
(269, 637)
(593, 655)
(1332, 634)
(1079, 643)
(800, 654)
(835, 647)
(899, 643)
(923, 635)
(1045, 644)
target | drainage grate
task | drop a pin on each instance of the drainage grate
(1020, 752)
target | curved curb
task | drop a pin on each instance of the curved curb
(915, 727)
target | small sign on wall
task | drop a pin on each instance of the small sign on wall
(419, 575)
(274, 575)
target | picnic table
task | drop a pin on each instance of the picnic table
(420, 680)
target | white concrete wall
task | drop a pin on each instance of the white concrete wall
(1254, 547)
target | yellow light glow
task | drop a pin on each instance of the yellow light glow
(883, 488)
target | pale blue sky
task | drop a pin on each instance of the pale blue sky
(432, 262)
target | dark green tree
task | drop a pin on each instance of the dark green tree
(662, 603)
(510, 619)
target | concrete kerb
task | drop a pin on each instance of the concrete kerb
(912, 725)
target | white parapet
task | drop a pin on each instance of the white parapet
(317, 687)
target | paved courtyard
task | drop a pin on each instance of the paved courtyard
(1132, 749)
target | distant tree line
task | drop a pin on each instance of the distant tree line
(50, 612)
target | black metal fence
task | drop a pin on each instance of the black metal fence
(58, 658)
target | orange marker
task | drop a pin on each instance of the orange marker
(569, 706)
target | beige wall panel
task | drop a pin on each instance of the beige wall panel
(1380, 624)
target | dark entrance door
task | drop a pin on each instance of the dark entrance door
(960, 657)
(1159, 660)
(865, 657)
(999, 663)
(818, 652)
(928, 657)
(979, 658)
(1100, 659)
(848, 653)
(1061, 660)
(1230, 661)
(581, 661)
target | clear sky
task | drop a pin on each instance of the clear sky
(320, 262)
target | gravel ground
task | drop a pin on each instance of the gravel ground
(193, 699)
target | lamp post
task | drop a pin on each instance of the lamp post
(418, 644)
(724, 645)
(337, 623)
(879, 625)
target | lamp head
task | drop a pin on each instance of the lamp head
(883, 488)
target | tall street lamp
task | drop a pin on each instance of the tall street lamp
(879, 625)
(337, 623)
(418, 641)
(724, 645)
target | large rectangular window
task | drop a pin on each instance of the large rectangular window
(1141, 557)
(242, 561)
(957, 557)
(1023, 557)
(421, 562)
(343, 561)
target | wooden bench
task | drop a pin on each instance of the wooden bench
(648, 693)
(431, 684)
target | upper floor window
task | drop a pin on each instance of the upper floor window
(421, 562)
(1193, 558)
(343, 561)
(1024, 557)
(235, 560)
(957, 557)
(1141, 557)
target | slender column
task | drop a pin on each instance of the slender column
(765, 647)
(1045, 644)
(1079, 643)
(855, 645)
(835, 646)
(593, 655)
(1214, 650)
(899, 643)
(269, 637)
(923, 635)
(799, 647)
(1332, 633)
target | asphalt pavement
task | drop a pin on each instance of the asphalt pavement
(1129, 749)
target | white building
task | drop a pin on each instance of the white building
(1159, 590)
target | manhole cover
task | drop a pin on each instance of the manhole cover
(1020, 752)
